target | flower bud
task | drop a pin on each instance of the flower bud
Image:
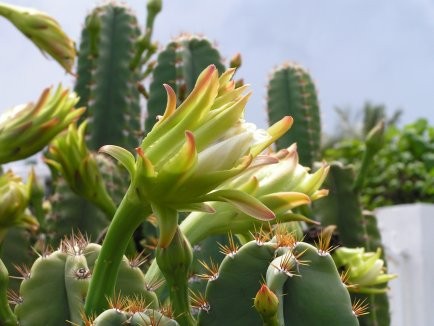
(235, 61)
(14, 199)
(26, 129)
(266, 303)
(69, 155)
(365, 271)
(43, 31)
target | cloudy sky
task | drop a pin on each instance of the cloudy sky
(356, 50)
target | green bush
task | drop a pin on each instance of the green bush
(402, 172)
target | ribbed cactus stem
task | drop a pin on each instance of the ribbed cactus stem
(106, 81)
(291, 91)
(131, 212)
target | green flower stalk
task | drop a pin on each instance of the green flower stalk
(43, 31)
(365, 271)
(175, 262)
(276, 180)
(190, 152)
(69, 155)
(14, 200)
(26, 129)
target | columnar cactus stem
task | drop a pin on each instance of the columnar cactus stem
(291, 91)
(131, 212)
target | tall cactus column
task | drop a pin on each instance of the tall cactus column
(106, 83)
(291, 91)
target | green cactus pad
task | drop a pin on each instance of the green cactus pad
(57, 286)
(318, 297)
(44, 297)
(230, 295)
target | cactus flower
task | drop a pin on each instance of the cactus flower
(14, 200)
(365, 270)
(196, 147)
(26, 129)
(181, 165)
(276, 180)
(69, 155)
(43, 31)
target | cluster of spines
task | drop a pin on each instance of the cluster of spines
(132, 310)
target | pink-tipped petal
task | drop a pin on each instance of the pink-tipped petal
(144, 166)
(275, 131)
(171, 102)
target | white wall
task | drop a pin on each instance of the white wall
(407, 232)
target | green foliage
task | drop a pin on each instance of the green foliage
(406, 163)
(356, 124)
